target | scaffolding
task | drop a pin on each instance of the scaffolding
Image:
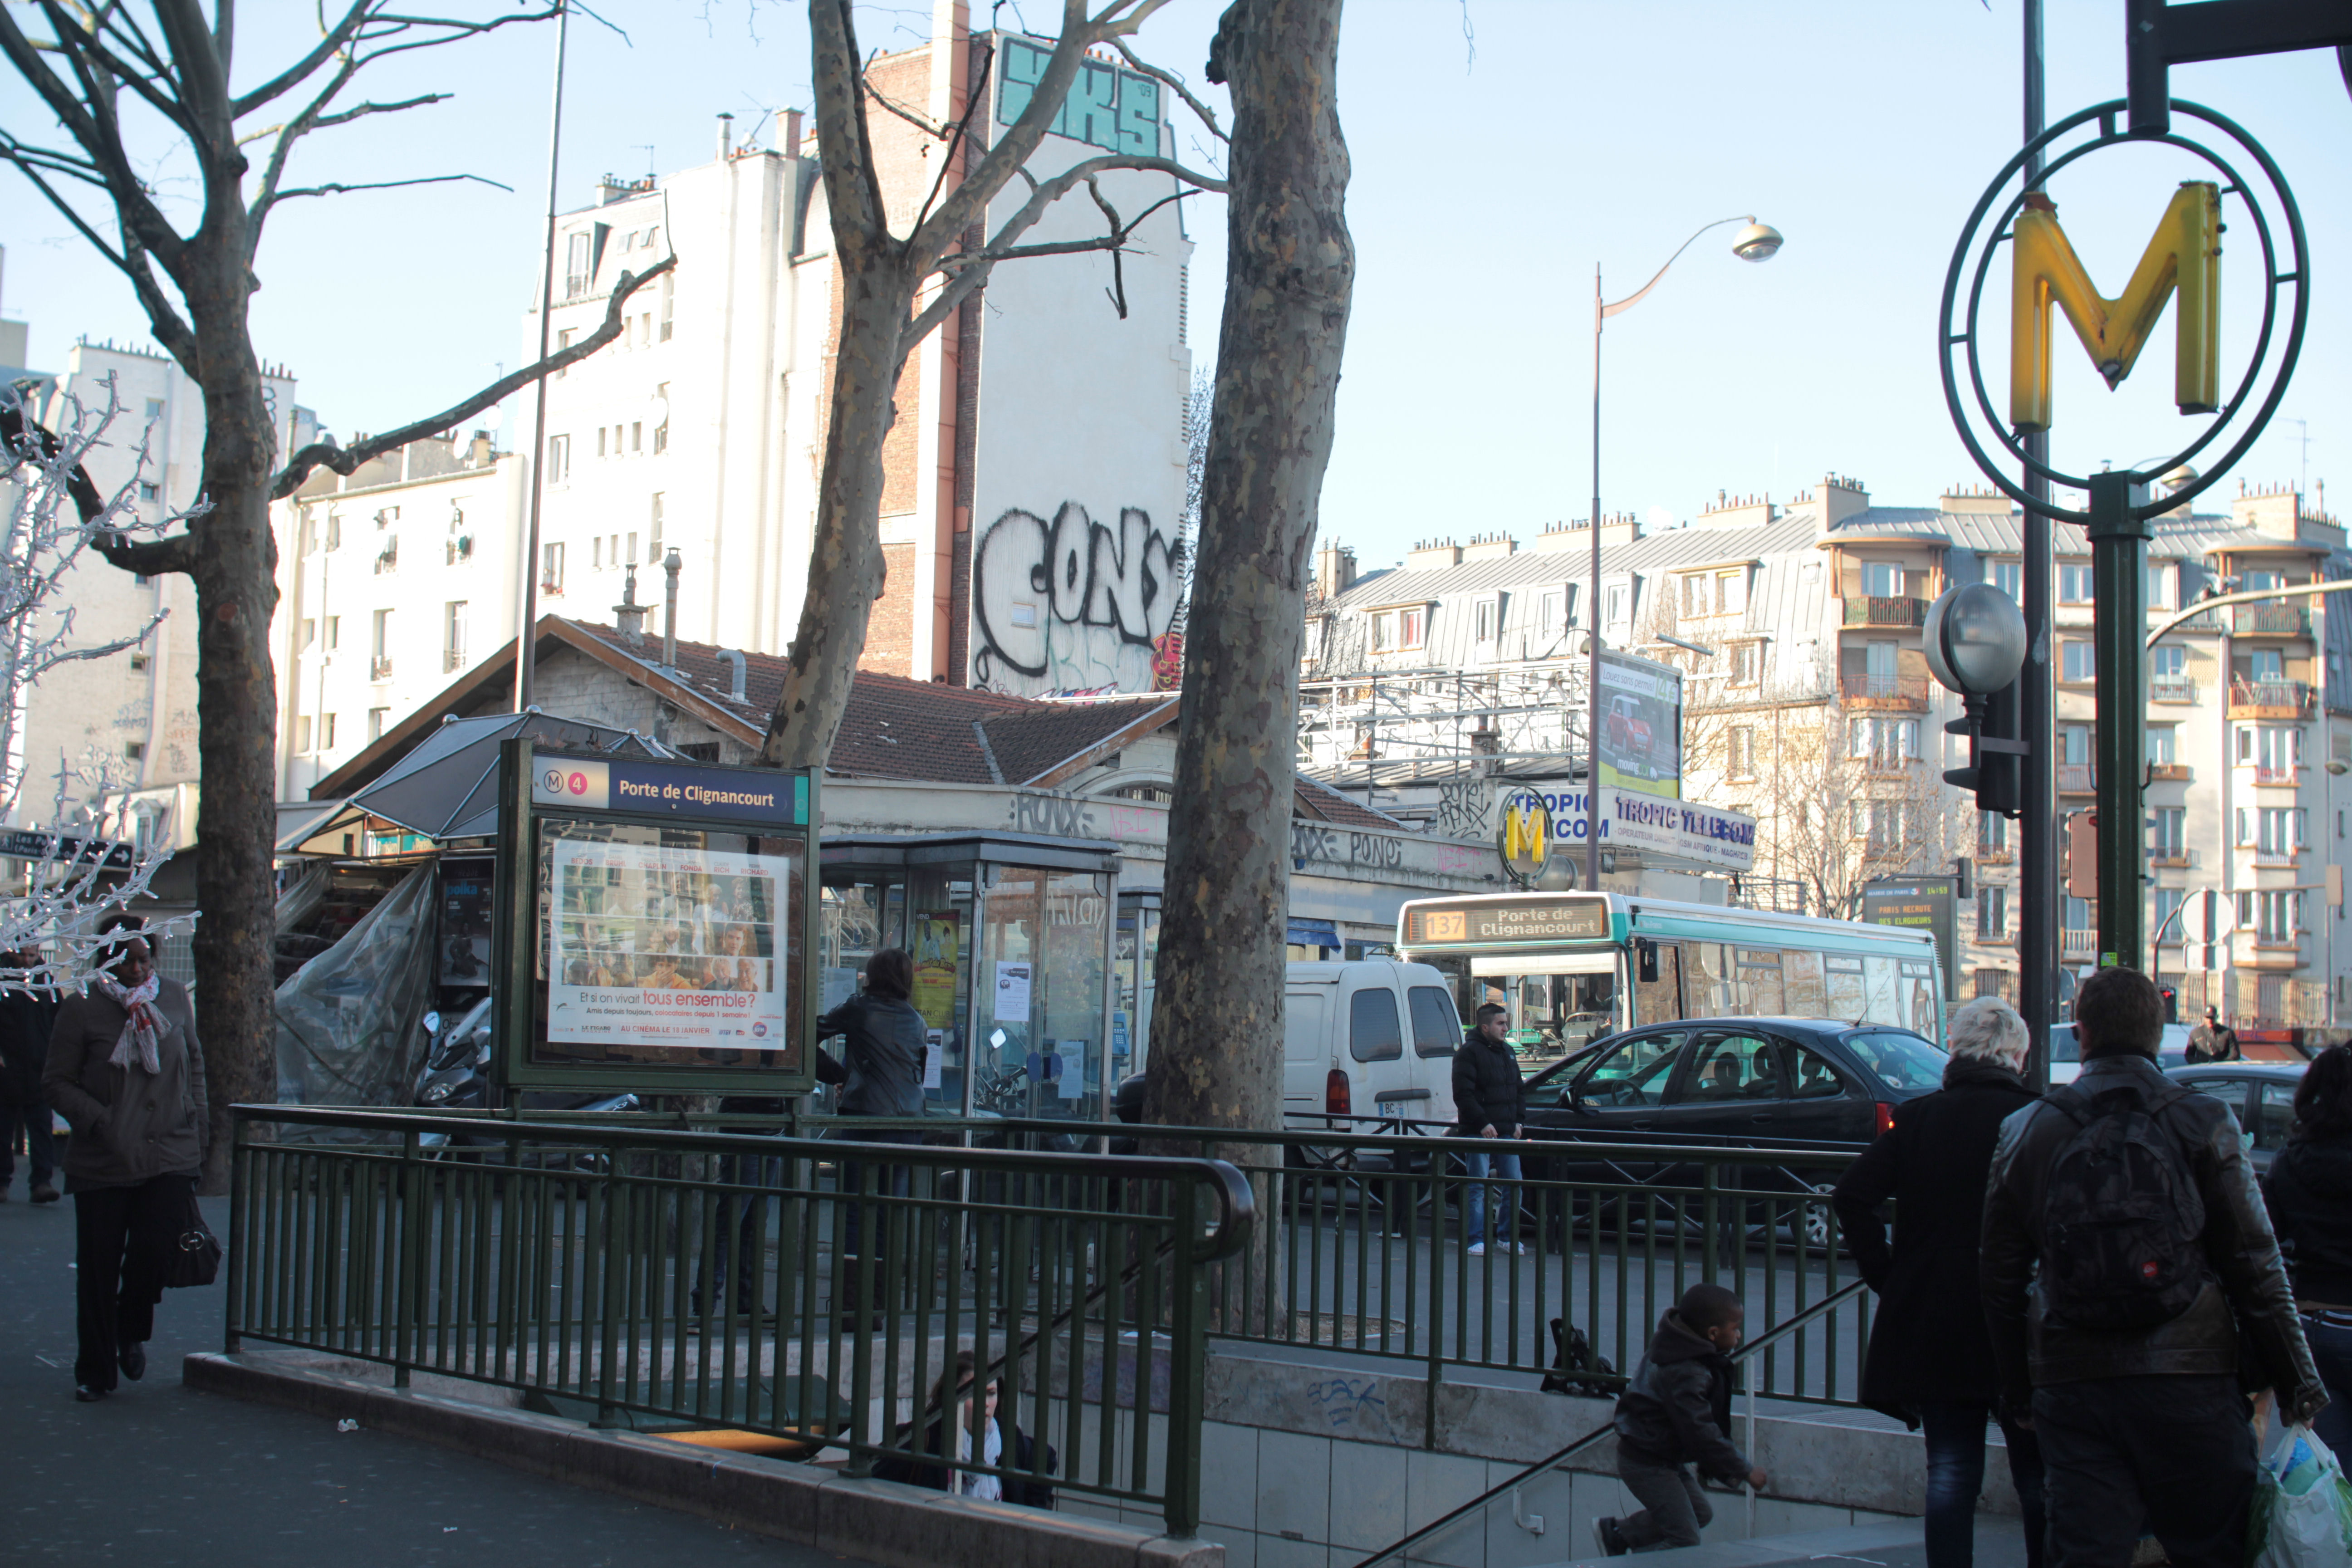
(1377, 729)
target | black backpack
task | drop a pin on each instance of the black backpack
(2122, 1221)
(1574, 1368)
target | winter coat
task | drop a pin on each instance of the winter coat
(129, 1126)
(2208, 1043)
(1020, 1453)
(25, 1021)
(2245, 1283)
(1489, 1088)
(1677, 1405)
(1928, 1343)
(883, 1051)
(2309, 1190)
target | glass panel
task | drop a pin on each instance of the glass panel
(1136, 957)
(1635, 1073)
(1810, 1076)
(2273, 1114)
(1732, 1066)
(1374, 1031)
(941, 948)
(2229, 1091)
(1004, 1020)
(1846, 984)
(1065, 1076)
(1882, 997)
(1760, 971)
(1901, 1061)
(1803, 992)
(1434, 1032)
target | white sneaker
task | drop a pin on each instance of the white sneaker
(1478, 1249)
(1520, 1248)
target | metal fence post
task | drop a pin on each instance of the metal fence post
(407, 1277)
(1188, 1371)
(234, 1317)
(615, 1282)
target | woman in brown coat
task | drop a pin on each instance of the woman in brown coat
(126, 1072)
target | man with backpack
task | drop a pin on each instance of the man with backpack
(2128, 1273)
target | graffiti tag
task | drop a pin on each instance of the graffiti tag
(1309, 841)
(1054, 815)
(1052, 601)
(1345, 1398)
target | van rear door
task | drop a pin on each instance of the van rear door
(1436, 1036)
(1306, 1047)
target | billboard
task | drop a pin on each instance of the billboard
(1641, 742)
(1922, 903)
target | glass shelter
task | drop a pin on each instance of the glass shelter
(1012, 936)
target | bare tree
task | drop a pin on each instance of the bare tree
(1291, 275)
(119, 85)
(895, 289)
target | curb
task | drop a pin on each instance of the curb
(873, 1520)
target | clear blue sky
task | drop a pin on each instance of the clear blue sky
(1490, 176)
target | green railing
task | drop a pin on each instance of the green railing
(665, 1280)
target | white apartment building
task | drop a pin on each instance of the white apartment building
(1813, 712)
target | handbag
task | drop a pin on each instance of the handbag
(191, 1254)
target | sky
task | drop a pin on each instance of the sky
(1501, 150)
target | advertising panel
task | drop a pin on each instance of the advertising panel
(1709, 835)
(1641, 739)
(1922, 903)
(651, 944)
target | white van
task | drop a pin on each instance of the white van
(1375, 1038)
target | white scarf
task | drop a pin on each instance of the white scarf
(990, 1488)
(142, 1035)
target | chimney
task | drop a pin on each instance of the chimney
(726, 136)
(672, 564)
(735, 661)
(792, 138)
(628, 614)
(1335, 569)
(480, 453)
(1840, 497)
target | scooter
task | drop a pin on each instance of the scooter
(455, 1078)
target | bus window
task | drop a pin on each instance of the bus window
(1846, 986)
(1919, 995)
(1801, 976)
(1710, 997)
(1760, 970)
(1885, 1003)
(1658, 982)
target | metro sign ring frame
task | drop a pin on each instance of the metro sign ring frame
(2110, 117)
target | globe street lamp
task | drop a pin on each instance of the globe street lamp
(1754, 242)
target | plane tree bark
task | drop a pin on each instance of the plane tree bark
(117, 84)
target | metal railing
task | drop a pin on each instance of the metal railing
(2078, 778)
(1878, 610)
(2270, 620)
(2171, 689)
(1905, 691)
(624, 1272)
(2288, 694)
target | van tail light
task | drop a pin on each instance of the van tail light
(1335, 1099)
(1885, 1120)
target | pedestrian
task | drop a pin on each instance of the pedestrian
(1003, 1444)
(2310, 1192)
(1676, 1412)
(1490, 1101)
(2213, 1041)
(26, 1019)
(881, 1071)
(2158, 1279)
(125, 1069)
(1930, 1364)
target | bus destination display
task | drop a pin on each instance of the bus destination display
(1507, 920)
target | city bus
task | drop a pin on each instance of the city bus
(1574, 966)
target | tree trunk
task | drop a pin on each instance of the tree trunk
(1216, 1046)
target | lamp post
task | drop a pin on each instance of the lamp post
(1756, 242)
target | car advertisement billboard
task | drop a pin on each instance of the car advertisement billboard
(1641, 739)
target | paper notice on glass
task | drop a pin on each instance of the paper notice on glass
(837, 986)
(1012, 993)
(1071, 1080)
(934, 1049)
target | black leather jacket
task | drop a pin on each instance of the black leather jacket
(1677, 1407)
(2245, 1287)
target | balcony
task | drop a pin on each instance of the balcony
(2286, 858)
(2078, 778)
(2168, 773)
(1898, 693)
(1877, 611)
(2078, 944)
(2169, 860)
(453, 659)
(380, 666)
(1994, 854)
(2269, 621)
(2270, 699)
(2289, 775)
(2171, 689)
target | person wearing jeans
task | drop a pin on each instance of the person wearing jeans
(1490, 1101)
(2309, 1195)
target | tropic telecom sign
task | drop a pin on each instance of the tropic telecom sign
(1684, 830)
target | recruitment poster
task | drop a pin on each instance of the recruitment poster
(653, 945)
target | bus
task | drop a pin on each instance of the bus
(1574, 966)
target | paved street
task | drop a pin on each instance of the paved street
(159, 1477)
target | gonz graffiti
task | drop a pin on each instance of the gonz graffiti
(1061, 604)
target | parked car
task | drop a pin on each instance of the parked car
(2261, 1094)
(2066, 1054)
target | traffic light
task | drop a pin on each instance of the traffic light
(1996, 770)
(2082, 856)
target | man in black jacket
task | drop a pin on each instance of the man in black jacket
(1677, 1412)
(1489, 1102)
(2137, 1424)
(25, 1021)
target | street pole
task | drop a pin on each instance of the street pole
(1592, 624)
(2037, 835)
(526, 642)
(2119, 677)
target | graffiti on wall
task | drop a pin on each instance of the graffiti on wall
(1075, 605)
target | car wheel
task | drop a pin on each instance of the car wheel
(1812, 1228)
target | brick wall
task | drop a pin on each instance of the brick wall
(890, 629)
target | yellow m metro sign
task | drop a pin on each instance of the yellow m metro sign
(2186, 254)
(1525, 837)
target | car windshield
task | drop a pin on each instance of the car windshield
(1900, 1060)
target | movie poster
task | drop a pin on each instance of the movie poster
(651, 945)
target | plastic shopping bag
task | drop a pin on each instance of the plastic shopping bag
(2303, 1506)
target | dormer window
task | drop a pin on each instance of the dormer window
(1489, 616)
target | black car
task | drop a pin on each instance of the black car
(1779, 1083)
(2261, 1094)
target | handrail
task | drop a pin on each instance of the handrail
(1553, 1461)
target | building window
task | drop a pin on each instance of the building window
(2074, 914)
(613, 550)
(1746, 662)
(2276, 751)
(1743, 752)
(2076, 663)
(306, 635)
(380, 652)
(559, 458)
(2074, 584)
(135, 751)
(1619, 604)
(595, 551)
(2161, 577)
(1992, 833)
(334, 531)
(1883, 823)
(654, 531)
(1992, 912)
(1489, 614)
(2009, 577)
(2161, 743)
(2075, 745)
(302, 734)
(2167, 906)
(1882, 742)
(1882, 579)
(600, 440)
(551, 568)
(453, 636)
(632, 556)
(668, 307)
(2168, 832)
(2272, 829)
(379, 718)
(140, 661)
(637, 436)
(1698, 594)
(575, 266)
(1394, 630)
(333, 628)
(1731, 592)
(2273, 917)
(564, 341)
(2168, 661)
(326, 731)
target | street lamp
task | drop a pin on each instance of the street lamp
(1754, 242)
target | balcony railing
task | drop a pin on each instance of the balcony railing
(1900, 692)
(2269, 621)
(2078, 944)
(2276, 857)
(380, 666)
(2172, 689)
(1871, 611)
(2284, 699)
(2288, 774)
(453, 659)
(2176, 772)
(2078, 778)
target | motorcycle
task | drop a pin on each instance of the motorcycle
(454, 1077)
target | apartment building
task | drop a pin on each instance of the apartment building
(1811, 709)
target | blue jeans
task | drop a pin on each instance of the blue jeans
(2331, 1351)
(1506, 1199)
(1956, 1466)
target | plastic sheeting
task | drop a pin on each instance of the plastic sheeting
(348, 1025)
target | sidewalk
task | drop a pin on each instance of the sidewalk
(162, 1478)
(2001, 1544)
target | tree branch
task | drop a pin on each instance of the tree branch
(337, 190)
(910, 116)
(345, 461)
(1208, 116)
(301, 70)
(1115, 240)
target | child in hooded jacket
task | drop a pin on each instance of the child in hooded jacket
(1676, 1412)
